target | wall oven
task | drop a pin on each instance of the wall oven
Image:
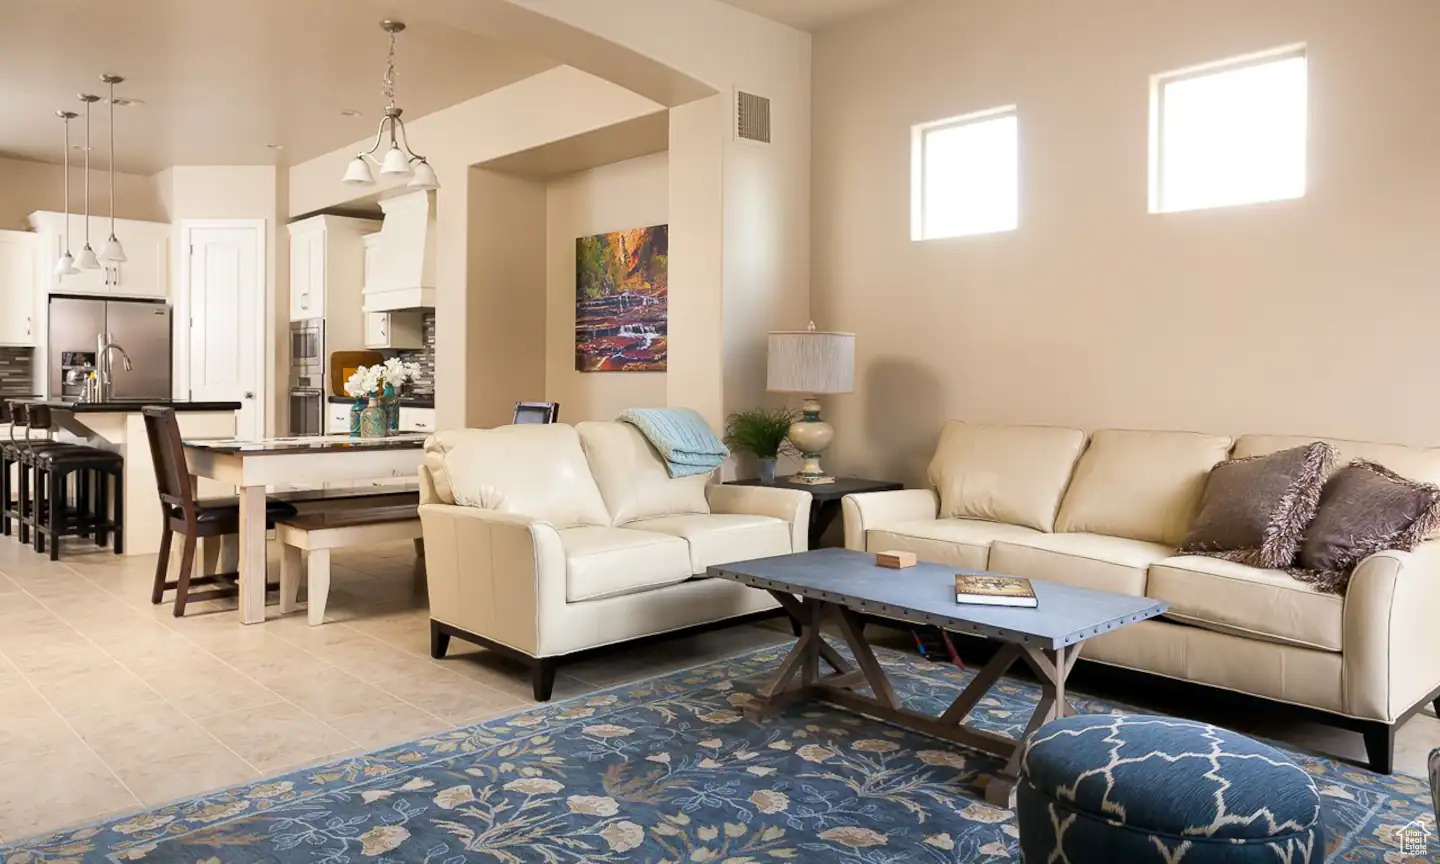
(307, 377)
(307, 411)
(307, 352)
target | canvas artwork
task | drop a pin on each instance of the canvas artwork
(620, 300)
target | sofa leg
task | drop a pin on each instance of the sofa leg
(439, 640)
(1380, 748)
(1436, 706)
(542, 678)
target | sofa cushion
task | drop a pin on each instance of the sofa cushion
(1084, 560)
(632, 475)
(604, 561)
(1229, 597)
(1013, 474)
(1140, 485)
(1255, 509)
(957, 542)
(537, 471)
(721, 538)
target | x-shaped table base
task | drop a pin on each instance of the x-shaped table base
(800, 677)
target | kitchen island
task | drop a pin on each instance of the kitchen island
(120, 427)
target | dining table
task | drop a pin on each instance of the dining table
(254, 466)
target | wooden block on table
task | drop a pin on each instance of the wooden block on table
(895, 560)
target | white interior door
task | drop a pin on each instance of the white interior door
(227, 321)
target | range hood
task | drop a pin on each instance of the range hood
(403, 274)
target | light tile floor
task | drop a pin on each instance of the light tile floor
(109, 704)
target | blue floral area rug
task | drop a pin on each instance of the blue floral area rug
(664, 770)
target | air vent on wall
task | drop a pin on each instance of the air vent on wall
(752, 117)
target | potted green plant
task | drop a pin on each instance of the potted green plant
(761, 432)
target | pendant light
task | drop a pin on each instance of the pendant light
(65, 264)
(113, 253)
(399, 159)
(87, 259)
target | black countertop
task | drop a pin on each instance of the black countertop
(405, 401)
(130, 407)
(311, 444)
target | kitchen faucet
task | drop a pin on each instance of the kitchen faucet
(103, 365)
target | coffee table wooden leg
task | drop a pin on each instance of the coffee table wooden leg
(1052, 668)
(803, 661)
(981, 684)
(852, 628)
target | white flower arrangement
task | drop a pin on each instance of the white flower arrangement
(369, 380)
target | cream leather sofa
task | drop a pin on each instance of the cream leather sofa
(542, 541)
(1109, 511)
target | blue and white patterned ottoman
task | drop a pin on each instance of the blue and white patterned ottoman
(1112, 787)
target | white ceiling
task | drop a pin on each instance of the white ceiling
(811, 15)
(221, 79)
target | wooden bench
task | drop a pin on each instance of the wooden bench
(314, 535)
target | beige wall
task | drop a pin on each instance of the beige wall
(29, 186)
(237, 192)
(1313, 316)
(505, 313)
(629, 194)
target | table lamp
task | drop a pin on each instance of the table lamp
(812, 362)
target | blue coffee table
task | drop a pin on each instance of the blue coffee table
(843, 584)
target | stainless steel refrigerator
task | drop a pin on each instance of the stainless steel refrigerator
(141, 327)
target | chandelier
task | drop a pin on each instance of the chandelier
(397, 162)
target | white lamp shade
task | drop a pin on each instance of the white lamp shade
(65, 265)
(357, 173)
(113, 253)
(87, 259)
(424, 177)
(396, 164)
(811, 361)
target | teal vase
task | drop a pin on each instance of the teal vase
(355, 411)
(392, 409)
(373, 421)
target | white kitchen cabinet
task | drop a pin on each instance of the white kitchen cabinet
(17, 288)
(394, 330)
(337, 418)
(327, 274)
(144, 273)
(417, 419)
(307, 274)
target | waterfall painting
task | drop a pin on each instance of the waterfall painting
(621, 288)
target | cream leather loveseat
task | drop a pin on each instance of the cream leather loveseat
(1109, 512)
(545, 540)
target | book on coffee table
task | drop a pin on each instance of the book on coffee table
(990, 590)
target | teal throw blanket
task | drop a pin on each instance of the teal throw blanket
(682, 436)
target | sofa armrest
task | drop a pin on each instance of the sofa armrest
(491, 573)
(788, 505)
(1392, 632)
(870, 510)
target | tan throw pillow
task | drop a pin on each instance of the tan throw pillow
(1255, 510)
(1365, 508)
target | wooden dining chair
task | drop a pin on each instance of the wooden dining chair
(192, 519)
(537, 412)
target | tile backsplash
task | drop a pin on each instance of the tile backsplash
(15, 371)
(425, 384)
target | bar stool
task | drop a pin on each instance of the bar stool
(95, 472)
(190, 518)
(20, 502)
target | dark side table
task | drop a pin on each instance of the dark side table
(826, 506)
